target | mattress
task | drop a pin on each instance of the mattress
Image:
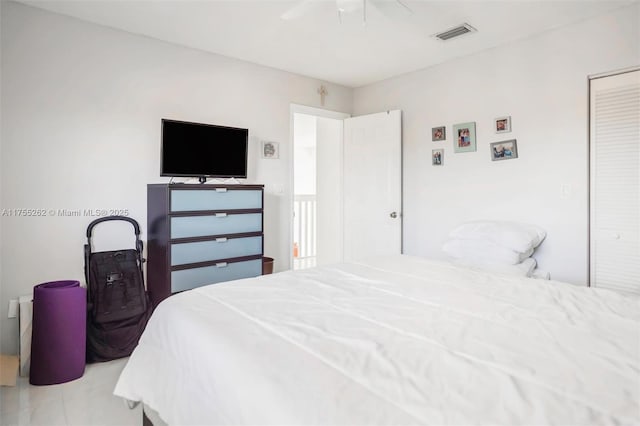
(394, 340)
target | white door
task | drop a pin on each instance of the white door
(615, 182)
(372, 185)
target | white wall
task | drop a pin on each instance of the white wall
(541, 82)
(2, 298)
(81, 109)
(304, 154)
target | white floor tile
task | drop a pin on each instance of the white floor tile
(87, 401)
(44, 413)
(24, 396)
(100, 407)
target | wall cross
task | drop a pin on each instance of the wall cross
(322, 91)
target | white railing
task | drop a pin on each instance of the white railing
(304, 226)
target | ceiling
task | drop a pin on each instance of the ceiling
(318, 45)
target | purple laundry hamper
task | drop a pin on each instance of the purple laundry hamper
(59, 332)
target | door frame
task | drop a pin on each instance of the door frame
(318, 112)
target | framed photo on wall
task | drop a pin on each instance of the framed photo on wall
(270, 150)
(464, 137)
(504, 150)
(437, 157)
(502, 124)
(438, 133)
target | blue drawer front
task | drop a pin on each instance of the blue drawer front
(198, 200)
(204, 251)
(187, 279)
(200, 226)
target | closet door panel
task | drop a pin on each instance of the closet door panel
(615, 182)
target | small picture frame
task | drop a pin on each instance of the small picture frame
(464, 137)
(437, 157)
(438, 133)
(504, 150)
(270, 150)
(502, 124)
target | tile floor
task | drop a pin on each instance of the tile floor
(87, 401)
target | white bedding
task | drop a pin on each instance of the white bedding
(399, 340)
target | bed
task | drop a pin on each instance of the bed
(393, 340)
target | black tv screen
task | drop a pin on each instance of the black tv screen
(203, 150)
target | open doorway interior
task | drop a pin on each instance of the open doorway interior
(317, 187)
(305, 228)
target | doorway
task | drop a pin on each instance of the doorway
(347, 186)
(317, 182)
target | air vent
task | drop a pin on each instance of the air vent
(455, 32)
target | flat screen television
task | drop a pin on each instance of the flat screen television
(203, 150)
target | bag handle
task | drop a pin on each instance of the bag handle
(133, 222)
(87, 247)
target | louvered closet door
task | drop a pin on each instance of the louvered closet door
(615, 182)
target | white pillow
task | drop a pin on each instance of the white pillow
(520, 237)
(486, 252)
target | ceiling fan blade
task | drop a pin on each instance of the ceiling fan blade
(392, 8)
(304, 7)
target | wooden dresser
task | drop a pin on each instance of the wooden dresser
(202, 234)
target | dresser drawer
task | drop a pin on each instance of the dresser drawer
(221, 248)
(202, 226)
(229, 199)
(187, 279)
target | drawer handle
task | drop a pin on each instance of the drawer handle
(221, 215)
(222, 265)
(221, 189)
(221, 240)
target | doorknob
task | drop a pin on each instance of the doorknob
(394, 215)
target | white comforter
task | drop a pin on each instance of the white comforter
(399, 340)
